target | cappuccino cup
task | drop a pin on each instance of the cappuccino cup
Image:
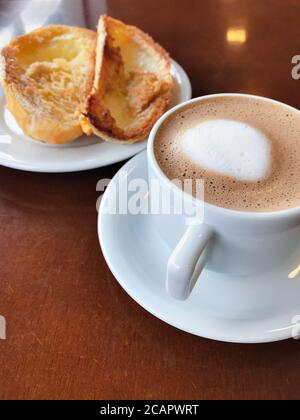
(245, 150)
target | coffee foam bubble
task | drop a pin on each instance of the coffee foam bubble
(230, 148)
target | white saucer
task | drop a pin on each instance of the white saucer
(240, 310)
(20, 152)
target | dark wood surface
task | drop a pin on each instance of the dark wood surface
(72, 332)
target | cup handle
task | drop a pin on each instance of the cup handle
(185, 265)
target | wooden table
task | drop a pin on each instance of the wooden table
(72, 332)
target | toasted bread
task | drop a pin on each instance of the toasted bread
(47, 77)
(132, 87)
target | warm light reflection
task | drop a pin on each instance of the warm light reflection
(294, 273)
(236, 36)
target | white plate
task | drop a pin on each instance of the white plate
(20, 152)
(241, 310)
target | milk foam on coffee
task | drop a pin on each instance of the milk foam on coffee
(228, 147)
(246, 149)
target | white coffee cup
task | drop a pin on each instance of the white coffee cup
(240, 244)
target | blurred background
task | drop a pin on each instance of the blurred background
(224, 45)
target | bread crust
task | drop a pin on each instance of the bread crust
(132, 75)
(24, 100)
